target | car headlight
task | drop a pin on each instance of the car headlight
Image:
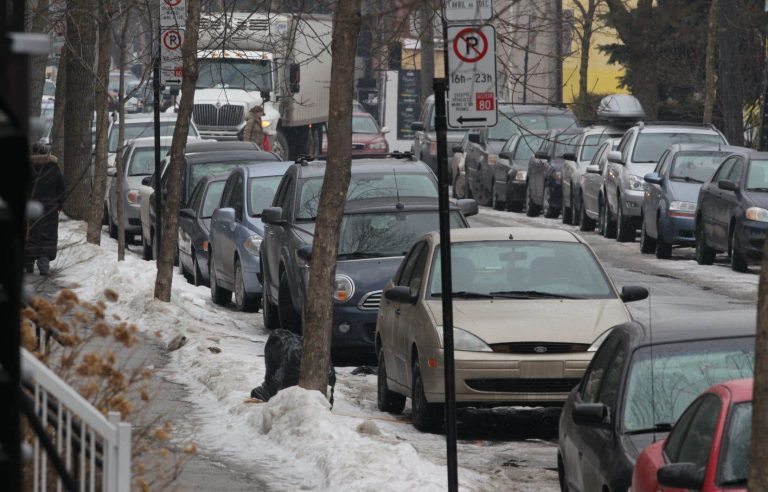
(521, 175)
(133, 196)
(757, 213)
(433, 148)
(343, 288)
(378, 145)
(686, 209)
(636, 182)
(464, 340)
(252, 244)
(599, 341)
(265, 123)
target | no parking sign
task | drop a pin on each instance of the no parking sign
(173, 19)
(472, 75)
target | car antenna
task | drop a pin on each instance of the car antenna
(399, 205)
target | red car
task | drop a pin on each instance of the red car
(367, 137)
(707, 450)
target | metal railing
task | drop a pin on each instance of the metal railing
(95, 451)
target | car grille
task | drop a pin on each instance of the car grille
(358, 146)
(210, 115)
(523, 385)
(371, 300)
(539, 348)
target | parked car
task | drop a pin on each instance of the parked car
(460, 187)
(425, 136)
(732, 212)
(138, 162)
(131, 83)
(511, 173)
(639, 382)
(141, 127)
(195, 228)
(237, 232)
(638, 153)
(530, 307)
(484, 146)
(671, 192)
(592, 203)
(545, 173)
(367, 137)
(376, 233)
(709, 447)
(48, 100)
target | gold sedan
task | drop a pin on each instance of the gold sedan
(531, 306)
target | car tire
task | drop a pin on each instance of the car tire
(387, 400)
(575, 212)
(499, 205)
(608, 226)
(244, 302)
(197, 274)
(625, 233)
(531, 209)
(567, 217)
(426, 416)
(561, 474)
(105, 216)
(663, 249)
(738, 261)
(647, 243)
(482, 196)
(586, 224)
(289, 318)
(146, 249)
(549, 211)
(219, 295)
(113, 231)
(704, 254)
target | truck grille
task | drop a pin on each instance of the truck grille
(371, 300)
(539, 347)
(523, 385)
(225, 116)
(216, 24)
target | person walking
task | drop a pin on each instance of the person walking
(43, 231)
(253, 132)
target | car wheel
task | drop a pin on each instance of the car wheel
(219, 295)
(550, 212)
(289, 318)
(561, 474)
(567, 217)
(243, 302)
(113, 231)
(647, 243)
(575, 215)
(704, 254)
(663, 248)
(146, 249)
(608, 227)
(586, 224)
(625, 233)
(738, 261)
(499, 205)
(531, 210)
(197, 274)
(105, 216)
(426, 416)
(483, 196)
(387, 400)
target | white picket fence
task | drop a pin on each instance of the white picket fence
(95, 450)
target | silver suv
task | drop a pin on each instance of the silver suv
(638, 153)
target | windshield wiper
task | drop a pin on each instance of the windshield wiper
(758, 189)
(529, 294)
(734, 482)
(658, 427)
(463, 294)
(687, 179)
(357, 254)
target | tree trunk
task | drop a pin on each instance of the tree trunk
(586, 45)
(95, 213)
(318, 308)
(427, 43)
(38, 23)
(172, 202)
(119, 163)
(81, 43)
(59, 108)
(758, 460)
(730, 79)
(709, 83)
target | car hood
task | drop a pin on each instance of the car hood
(227, 96)
(757, 198)
(133, 182)
(634, 444)
(520, 164)
(686, 192)
(369, 274)
(551, 320)
(452, 137)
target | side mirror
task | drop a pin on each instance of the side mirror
(540, 154)
(591, 415)
(569, 156)
(147, 181)
(594, 169)
(417, 126)
(468, 206)
(223, 215)
(457, 148)
(305, 253)
(400, 293)
(112, 172)
(506, 155)
(652, 178)
(294, 76)
(727, 185)
(265, 97)
(273, 215)
(681, 476)
(474, 138)
(615, 156)
(632, 293)
(384, 130)
(187, 213)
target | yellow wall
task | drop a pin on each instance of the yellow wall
(411, 60)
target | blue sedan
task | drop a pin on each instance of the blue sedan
(237, 232)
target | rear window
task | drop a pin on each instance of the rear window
(205, 168)
(650, 146)
(695, 167)
(757, 177)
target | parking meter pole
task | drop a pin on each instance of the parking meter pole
(441, 126)
(158, 168)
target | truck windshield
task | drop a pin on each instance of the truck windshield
(249, 75)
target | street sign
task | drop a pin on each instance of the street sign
(173, 20)
(468, 10)
(173, 14)
(472, 76)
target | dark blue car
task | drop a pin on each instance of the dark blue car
(671, 191)
(237, 232)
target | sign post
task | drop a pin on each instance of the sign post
(472, 76)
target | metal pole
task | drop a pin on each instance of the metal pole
(158, 165)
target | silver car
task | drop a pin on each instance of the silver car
(591, 203)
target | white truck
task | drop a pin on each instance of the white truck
(280, 61)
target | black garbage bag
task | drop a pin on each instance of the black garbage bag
(282, 355)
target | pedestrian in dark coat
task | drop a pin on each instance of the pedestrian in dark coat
(43, 231)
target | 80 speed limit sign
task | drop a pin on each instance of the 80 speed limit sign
(472, 76)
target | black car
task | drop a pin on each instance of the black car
(195, 227)
(545, 173)
(638, 383)
(390, 202)
(732, 211)
(424, 145)
(511, 171)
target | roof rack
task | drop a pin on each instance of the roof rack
(699, 124)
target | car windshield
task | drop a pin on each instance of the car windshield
(369, 235)
(539, 122)
(368, 185)
(527, 146)
(364, 124)
(591, 144)
(143, 161)
(261, 191)
(680, 372)
(757, 177)
(201, 169)
(212, 198)
(696, 167)
(650, 146)
(523, 270)
(504, 128)
(565, 144)
(249, 75)
(143, 129)
(734, 459)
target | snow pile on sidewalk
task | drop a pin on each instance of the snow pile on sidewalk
(294, 436)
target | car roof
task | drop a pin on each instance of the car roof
(267, 168)
(755, 154)
(740, 389)
(231, 155)
(693, 326)
(316, 168)
(675, 128)
(510, 233)
(149, 141)
(687, 147)
(211, 145)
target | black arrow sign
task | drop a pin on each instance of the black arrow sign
(462, 119)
